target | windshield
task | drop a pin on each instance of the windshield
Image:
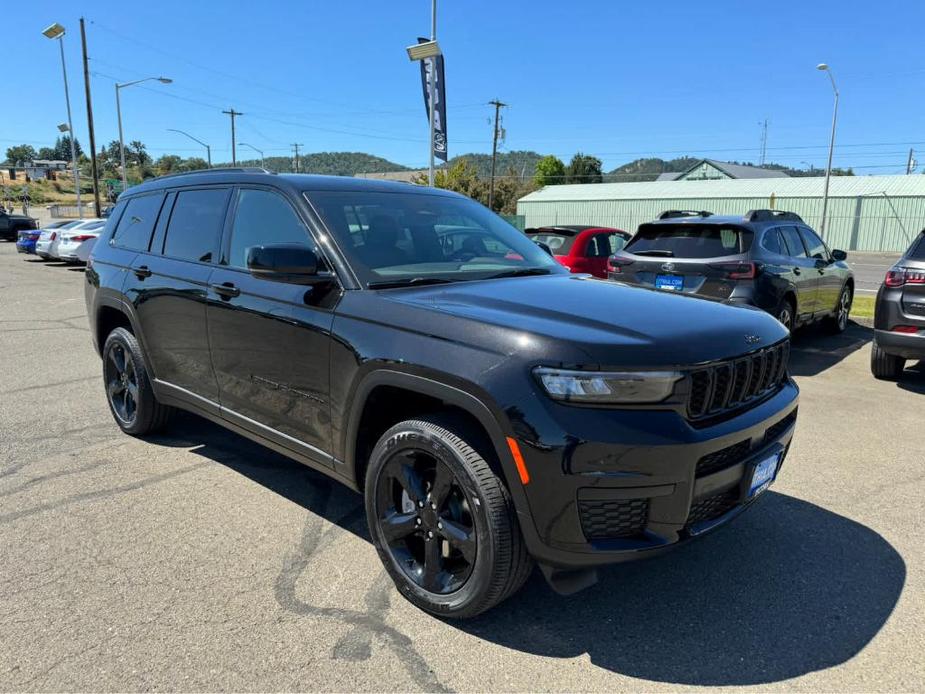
(689, 240)
(419, 237)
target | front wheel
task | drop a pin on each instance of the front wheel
(786, 313)
(886, 367)
(442, 520)
(838, 322)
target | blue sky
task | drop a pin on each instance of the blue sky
(613, 79)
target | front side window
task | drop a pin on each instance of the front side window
(196, 224)
(263, 217)
(815, 245)
(137, 222)
(419, 236)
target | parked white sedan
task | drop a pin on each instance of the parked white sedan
(49, 236)
(69, 241)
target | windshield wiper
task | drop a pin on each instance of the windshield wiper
(662, 254)
(520, 272)
(408, 282)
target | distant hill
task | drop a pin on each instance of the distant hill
(522, 161)
(648, 169)
(329, 163)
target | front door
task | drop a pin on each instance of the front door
(804, 272)
(830, 277)
(270, 341)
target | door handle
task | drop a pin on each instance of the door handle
(142, 271)
(226, 290)
(796, 271)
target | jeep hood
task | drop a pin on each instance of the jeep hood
(597, 321)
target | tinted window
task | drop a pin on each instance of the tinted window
(792, 242)
(771, 242)
(815, 245)
(617, 242)
(263, 217)
(917, 251)
(689, 240)
(137, 222)
(599, 246)
(389, 237)
(196, 224)
(560, 244)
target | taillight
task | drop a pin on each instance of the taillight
(616, 265)
(53, 236)
(898, 276)
(736, 271)
(82, 237)
(907, 329)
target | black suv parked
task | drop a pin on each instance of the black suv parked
(899, 316)
(769, 259)
(492, 407)
(11, 224)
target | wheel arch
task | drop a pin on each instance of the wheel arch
(111, 313)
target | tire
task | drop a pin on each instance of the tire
(474, 575)
(886, 367)
(125, 378)
(786, 313)
(839, 322)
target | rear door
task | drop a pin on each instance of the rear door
(702, 259)
(270, 341)
(169, 287)
(805, 273)
(597, 249)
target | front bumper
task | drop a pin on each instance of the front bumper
(903, 345)
(630, 484)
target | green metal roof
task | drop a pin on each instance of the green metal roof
(805, 187)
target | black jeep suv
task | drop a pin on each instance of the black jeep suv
(492, 408)
(768, 258)
(899, 315)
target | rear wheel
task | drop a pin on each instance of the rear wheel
(838, 322)
(786, 313)
(886, 367)
(442, 520)
(128, 388)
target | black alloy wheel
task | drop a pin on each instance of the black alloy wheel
(426, 521)
(128, 388)
(121, 384)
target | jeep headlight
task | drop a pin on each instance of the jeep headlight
(617, 387)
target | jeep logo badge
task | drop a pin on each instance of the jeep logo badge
(752, 339)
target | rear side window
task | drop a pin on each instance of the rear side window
(195, 225)
(689, 240)
(771, 242)
(792, 242)
(137, 222)
(917, 251)
(815, 245)
(262, 217)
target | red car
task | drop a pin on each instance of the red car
(581, 248)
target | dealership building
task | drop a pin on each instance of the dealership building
(865, 213)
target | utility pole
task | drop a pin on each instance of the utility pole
(233, 113)
(295, 146)
(764, 142)
(96, 178)
(494, 150)
(910, 163)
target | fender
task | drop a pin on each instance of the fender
(128, 310)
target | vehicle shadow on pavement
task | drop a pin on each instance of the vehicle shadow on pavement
(814, 351)
(913, 378)
(787, 589)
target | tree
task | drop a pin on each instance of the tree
(195, 164)
(63, 148)
(20, 153)
(46, 153)
(169, 163)
(136, 153)
(584, 169)
(549, 171)
(460, 177)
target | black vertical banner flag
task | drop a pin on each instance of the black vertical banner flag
(427, 69)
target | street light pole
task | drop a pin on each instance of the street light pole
(162, 80)
(208, 149)
(52, 32)
(828, 168)
(259, 151)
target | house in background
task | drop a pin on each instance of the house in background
(713, 170)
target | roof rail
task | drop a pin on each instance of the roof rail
(220, 169)
(771, 215)
(672, 214)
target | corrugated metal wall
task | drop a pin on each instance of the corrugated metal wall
(863, 223)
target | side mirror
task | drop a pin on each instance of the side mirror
(839, 255)
(544, 246)
(285, 262)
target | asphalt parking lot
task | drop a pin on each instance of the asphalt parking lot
(200, 561)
